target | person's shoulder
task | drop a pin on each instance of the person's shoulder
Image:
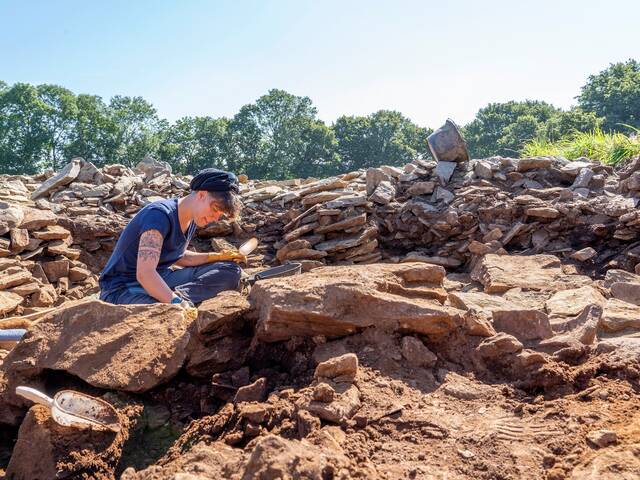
(156, 215)
(167, 205)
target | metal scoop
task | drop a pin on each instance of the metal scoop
(75, 409)
(249, 246)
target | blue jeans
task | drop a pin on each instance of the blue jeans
(193, 283)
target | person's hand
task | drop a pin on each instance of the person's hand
(227, 256)
(184, 304)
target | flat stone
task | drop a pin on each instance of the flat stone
(614, 275)
(222, 313)
(347, 201)
(583, 179)
(255, 392)
(499, 273)
(626, 291)
(10, 278)
(77, 274)
(345, 243)
(542, 212)
(619, 315)
(9, 301)
(573, 168)
(131, 348)
(321, 197)
(63, 177)
(343, 224)
(522, 324)
(584, 254)
(151, 168)
(35, 219)
(498, 346)
(336, 301)
(52, 232)
(442, 261)
(444, 171)
(567, 303)
(421, 188)
(527, 164)
(442, 194)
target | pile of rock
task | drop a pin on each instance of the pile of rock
(450, 214)
(442, 212)
(39, 267)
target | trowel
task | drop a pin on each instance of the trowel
(75, 409)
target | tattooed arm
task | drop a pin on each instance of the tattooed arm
(149, 249)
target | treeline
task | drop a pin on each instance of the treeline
(280, 136)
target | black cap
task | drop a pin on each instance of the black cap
(214, 180)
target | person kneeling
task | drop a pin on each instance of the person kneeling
(156, 239)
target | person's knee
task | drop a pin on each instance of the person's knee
(234, 272)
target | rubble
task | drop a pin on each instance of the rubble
(475, 305)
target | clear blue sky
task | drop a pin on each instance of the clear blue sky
(428, 59)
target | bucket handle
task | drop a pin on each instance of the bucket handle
(35, 396)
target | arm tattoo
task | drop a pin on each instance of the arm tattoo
(150, 246)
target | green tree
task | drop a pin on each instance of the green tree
(484, 135)
(614, 94)
(95, 131)
(58, 120)
(136, 129)
(277, 137)
(385, 137)
(23, 136)
(194, 143)
(567, 123)
(524, 129)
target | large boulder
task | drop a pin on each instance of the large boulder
(499, 273)
(120, 347)
(336, 301)
(506, 315)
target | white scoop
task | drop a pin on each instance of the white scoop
(249, 246)
(75, 409)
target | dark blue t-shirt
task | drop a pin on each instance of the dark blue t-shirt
(162, 216)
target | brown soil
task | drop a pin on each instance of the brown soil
(449, 422)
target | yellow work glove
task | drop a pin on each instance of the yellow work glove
(227, 256)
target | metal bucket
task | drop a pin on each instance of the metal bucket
(447, 145)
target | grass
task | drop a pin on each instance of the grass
(607, 148)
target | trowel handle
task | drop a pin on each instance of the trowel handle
(35, 396)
